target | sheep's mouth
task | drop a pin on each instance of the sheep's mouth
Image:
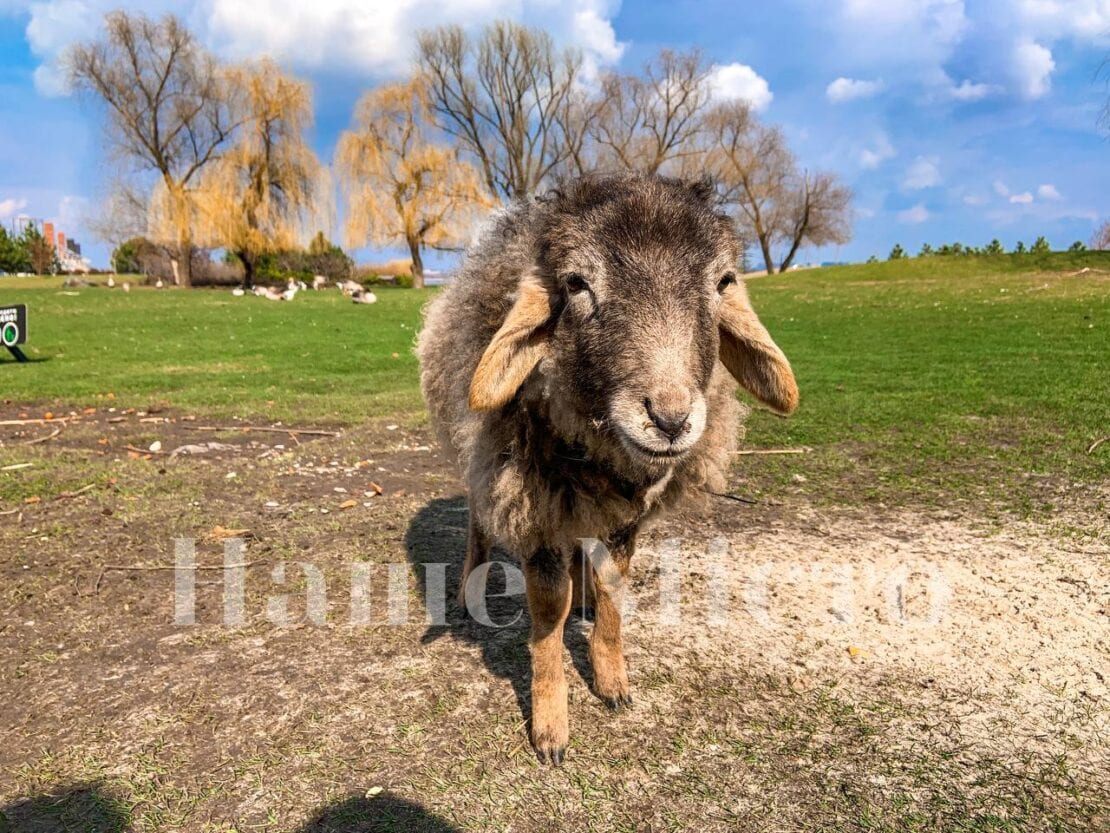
(654, 453)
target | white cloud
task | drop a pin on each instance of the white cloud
(1032, 65)
(871, 157)
(9, 206)
(914, 216)
(1049, 192)
(1083, 19)
(968, 91)
(1009, 43)
(849, 89)
(974, 199)
(923, 172)
(729, 82)
(373, 38)
(1001, 188)
(1024, 198)
(913, 33)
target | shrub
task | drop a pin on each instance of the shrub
(897, 253)
(1040, 246)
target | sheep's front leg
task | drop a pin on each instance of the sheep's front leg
(547, 582)
(608, 572)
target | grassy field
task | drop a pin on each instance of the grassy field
(923, 380)
(320, 358)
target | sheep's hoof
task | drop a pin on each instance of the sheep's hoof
(552, 755)
(617, 704)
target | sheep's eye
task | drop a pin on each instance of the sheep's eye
(725, 282)
(575, 283)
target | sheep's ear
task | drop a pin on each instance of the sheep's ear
(750, 354)
(515, 349)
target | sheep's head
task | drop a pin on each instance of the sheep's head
(631, 301)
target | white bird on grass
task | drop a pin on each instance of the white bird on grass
(289, 294)
(111, 282)
(126, 287)
(238, 292)
(159, 284)
(365, 297)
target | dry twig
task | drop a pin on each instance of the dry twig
(125, 567)
(752, 452)
(38, 440)
(314, 431)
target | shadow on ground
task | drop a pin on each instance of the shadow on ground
(78, 807)
(384, 813)
(437, 535)
(87, 808)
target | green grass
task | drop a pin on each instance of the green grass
(932, 375)
(319, 358)
(987, 376)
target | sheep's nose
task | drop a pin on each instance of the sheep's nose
(672, 422)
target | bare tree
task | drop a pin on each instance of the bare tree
(167, 110)
(645, 121)
(257, 198)
(1101, 239)
(402, 188)
(753, 167)
(818, 211)
(504, 97)
(775, 204)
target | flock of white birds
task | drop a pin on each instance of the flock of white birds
(355, 291)
(351, 289)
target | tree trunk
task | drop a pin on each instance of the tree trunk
(417, 263)
(187, 265)
(765, 247)
(248, 269)
(790, 256)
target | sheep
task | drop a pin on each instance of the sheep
(319, 282)
(349, 287)
(581, 370)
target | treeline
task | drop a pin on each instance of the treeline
(216, 154)
(27, 251)
(992, 249)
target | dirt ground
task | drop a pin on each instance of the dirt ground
(821, 669)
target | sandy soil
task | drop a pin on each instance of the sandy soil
(861, 669)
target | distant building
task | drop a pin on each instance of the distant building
(67, 249)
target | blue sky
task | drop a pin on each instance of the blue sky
(952, 119)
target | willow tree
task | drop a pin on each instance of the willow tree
(257, 198)
(167, 112)
(402, 188)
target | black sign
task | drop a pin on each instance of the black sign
(13, 325)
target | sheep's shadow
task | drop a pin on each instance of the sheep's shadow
(76, 807)
(437, 535)
(383, 813)
(87, 808)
